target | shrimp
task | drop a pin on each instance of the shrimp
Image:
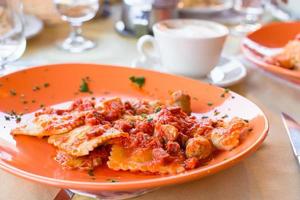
(227, 136)
(198, 147)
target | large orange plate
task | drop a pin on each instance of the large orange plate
(274, 35)
(32, 158)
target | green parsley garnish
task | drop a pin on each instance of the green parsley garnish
(210, 104)
(224, 116)
(216, 112)
(42, 105)
(112, 180)
(157, 109)
(33, 101)
(204, 117)
(150, 119)
(143, 115)
(138, 80)
(226, 90)
(13, 92)
(84, 87)
(46, 85)
(15, 116)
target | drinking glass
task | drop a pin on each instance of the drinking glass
(253, 10)
(12, 38)
(76, 12)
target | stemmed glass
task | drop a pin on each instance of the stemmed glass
(76, 12)
(12, 38)
(253, 10)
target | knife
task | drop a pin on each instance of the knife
(64, 194)
(293, 130)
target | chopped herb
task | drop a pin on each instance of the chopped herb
(46, 85)
(7, 118)
(33, 101)
(204, 117)
(138, 80)
(224, 116)
(246, 120)
(216, 112)
(13, 92)
(144, 115)
(84, 87)
(42, 105)
(111, 180)
(91, 172)
(36, 88)
(210, 104)
(18, 119)
(150, 119)
(157, 109)
(14, 115)
(226, 90)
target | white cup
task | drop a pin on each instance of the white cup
(185, 46)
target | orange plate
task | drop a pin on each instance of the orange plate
(274, 35)
(32, 158)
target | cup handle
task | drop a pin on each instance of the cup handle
(146, 52)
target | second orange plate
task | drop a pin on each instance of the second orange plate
(32, 158)
(274, 35)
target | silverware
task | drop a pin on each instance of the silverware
(293, 130)
(64, 194)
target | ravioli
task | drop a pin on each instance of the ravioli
(82, 140)
(140, 159)
(50, 124)
(96, 158)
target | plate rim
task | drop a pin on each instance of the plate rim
(140, 184)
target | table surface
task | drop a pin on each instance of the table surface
(270, 173)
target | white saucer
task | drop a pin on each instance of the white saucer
(33, 26)
(236, 73)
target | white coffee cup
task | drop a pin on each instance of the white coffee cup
(186, 47)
